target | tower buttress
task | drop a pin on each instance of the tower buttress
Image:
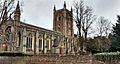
(17, 12)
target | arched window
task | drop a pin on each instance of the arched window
(29, 40)
(48, 42)
(59, 18)
(18, 39)
(9, 34)
(40, 42)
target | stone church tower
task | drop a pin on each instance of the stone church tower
(63, 23)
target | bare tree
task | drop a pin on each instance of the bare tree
(79, 12)
(87, 21)
(78, 16)
(83, 17)
(103, 26)
(6, 9)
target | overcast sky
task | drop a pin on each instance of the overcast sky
(40, 12)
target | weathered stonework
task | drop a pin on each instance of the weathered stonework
(22, 37)
(63, 23)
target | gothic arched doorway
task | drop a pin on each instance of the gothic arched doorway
(4, 47)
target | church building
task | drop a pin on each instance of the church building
(18, 36)
(63, 24)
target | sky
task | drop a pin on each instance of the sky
(40, 12)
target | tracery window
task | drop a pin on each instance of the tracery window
(40, 41)
(48, 42)
(9, 34)
(29, 41)
(18, 39)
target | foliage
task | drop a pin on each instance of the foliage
(116, 36)
(6, 9)
(103, 26)
(107, 56)
(102, 43)
(9, 53)
(98, 44)
(84, 18)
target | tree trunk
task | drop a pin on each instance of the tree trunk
(80, 41)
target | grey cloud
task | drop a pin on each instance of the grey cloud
(106, 5)
(40, 12)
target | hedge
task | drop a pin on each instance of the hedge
(107, 56)
(9, 53)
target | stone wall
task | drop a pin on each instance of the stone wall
(9, 60)
(58, 59)
(54, 59)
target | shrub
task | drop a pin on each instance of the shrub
(107, 56)
(9, 53)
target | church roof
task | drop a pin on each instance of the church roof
(39, 28)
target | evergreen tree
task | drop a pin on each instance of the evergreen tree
(116, 36)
